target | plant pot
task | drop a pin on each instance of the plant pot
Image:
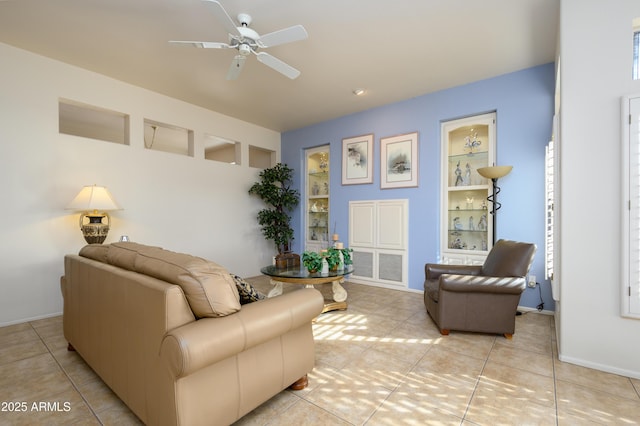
(287, 260)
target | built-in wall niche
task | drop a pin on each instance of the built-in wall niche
(261, 158)
(88, 121)
(221, 149)
(168, 138)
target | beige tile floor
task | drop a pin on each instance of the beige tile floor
(381, 362)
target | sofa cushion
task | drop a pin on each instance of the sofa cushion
(97, 252)
(208, 287)
(247, 292)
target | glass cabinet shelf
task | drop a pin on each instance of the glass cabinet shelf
(468, 144)
(317, 198)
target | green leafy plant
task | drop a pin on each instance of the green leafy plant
(346, 255)
(274, 188)
(312, 261)
(333, 257)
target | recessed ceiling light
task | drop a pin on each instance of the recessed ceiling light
(358, 92)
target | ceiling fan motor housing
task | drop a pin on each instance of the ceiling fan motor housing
(244, 49)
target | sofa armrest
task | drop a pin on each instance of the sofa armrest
(433, 270)
(482, 284)
(204, 342)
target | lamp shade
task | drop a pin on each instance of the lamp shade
(494, 172)
(93, 198)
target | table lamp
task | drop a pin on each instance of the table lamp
(94, 201)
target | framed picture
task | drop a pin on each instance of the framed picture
(357, 160)
(399, 161)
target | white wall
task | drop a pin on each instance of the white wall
(180, 203)
(596, 58)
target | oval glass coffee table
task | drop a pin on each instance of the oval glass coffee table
(300, 276)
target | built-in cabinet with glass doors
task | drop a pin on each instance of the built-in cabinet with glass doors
(467, 144)
(316, 199)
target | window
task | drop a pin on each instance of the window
(636, 49)
(631, 208)
(549, 229)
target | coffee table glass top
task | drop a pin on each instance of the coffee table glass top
(302, 272)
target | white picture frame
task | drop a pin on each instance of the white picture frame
(357, 160)
(399, 161)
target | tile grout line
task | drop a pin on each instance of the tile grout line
(73, 385)
(475, 387)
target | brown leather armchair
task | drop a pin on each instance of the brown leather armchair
(481, 298)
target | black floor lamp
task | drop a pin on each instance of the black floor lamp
(494, 173)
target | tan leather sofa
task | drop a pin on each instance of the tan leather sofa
(480, 298)
(166, 332)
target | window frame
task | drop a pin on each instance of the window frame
(630, 207)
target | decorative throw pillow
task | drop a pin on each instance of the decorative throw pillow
(247, 292)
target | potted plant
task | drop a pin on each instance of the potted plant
(333, 258)
(312, 261)
(346, 255)
(274, 188)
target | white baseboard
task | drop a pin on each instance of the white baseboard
(601, 367)
(528, 309)
(39, 317)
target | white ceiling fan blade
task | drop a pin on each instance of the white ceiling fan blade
(236, 67)
(278, 65)
(224, 18)
(202, 44)
(287, 35)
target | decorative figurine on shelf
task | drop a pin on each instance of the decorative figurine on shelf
(484, 205)
(458, 173)
(326, 188)
(482, 223)
(472, 227)
(323, 161)
(470, 203)
(456, 223)
(472, 144)
(314, 237)
(314, 207)
(467, 175)
(457, 244)
(315, 189)
(484, 245)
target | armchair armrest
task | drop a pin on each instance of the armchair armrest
(482, 284)
(206, 341)
(433, 270)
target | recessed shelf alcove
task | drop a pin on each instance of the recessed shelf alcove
(220, 149)
(78, 119)
(168, 138)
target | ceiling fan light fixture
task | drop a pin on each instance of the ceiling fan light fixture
(359, 92)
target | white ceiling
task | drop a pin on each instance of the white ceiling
(396, 50)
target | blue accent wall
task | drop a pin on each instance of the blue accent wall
(524, 103)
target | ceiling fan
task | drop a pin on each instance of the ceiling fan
(246, 41)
